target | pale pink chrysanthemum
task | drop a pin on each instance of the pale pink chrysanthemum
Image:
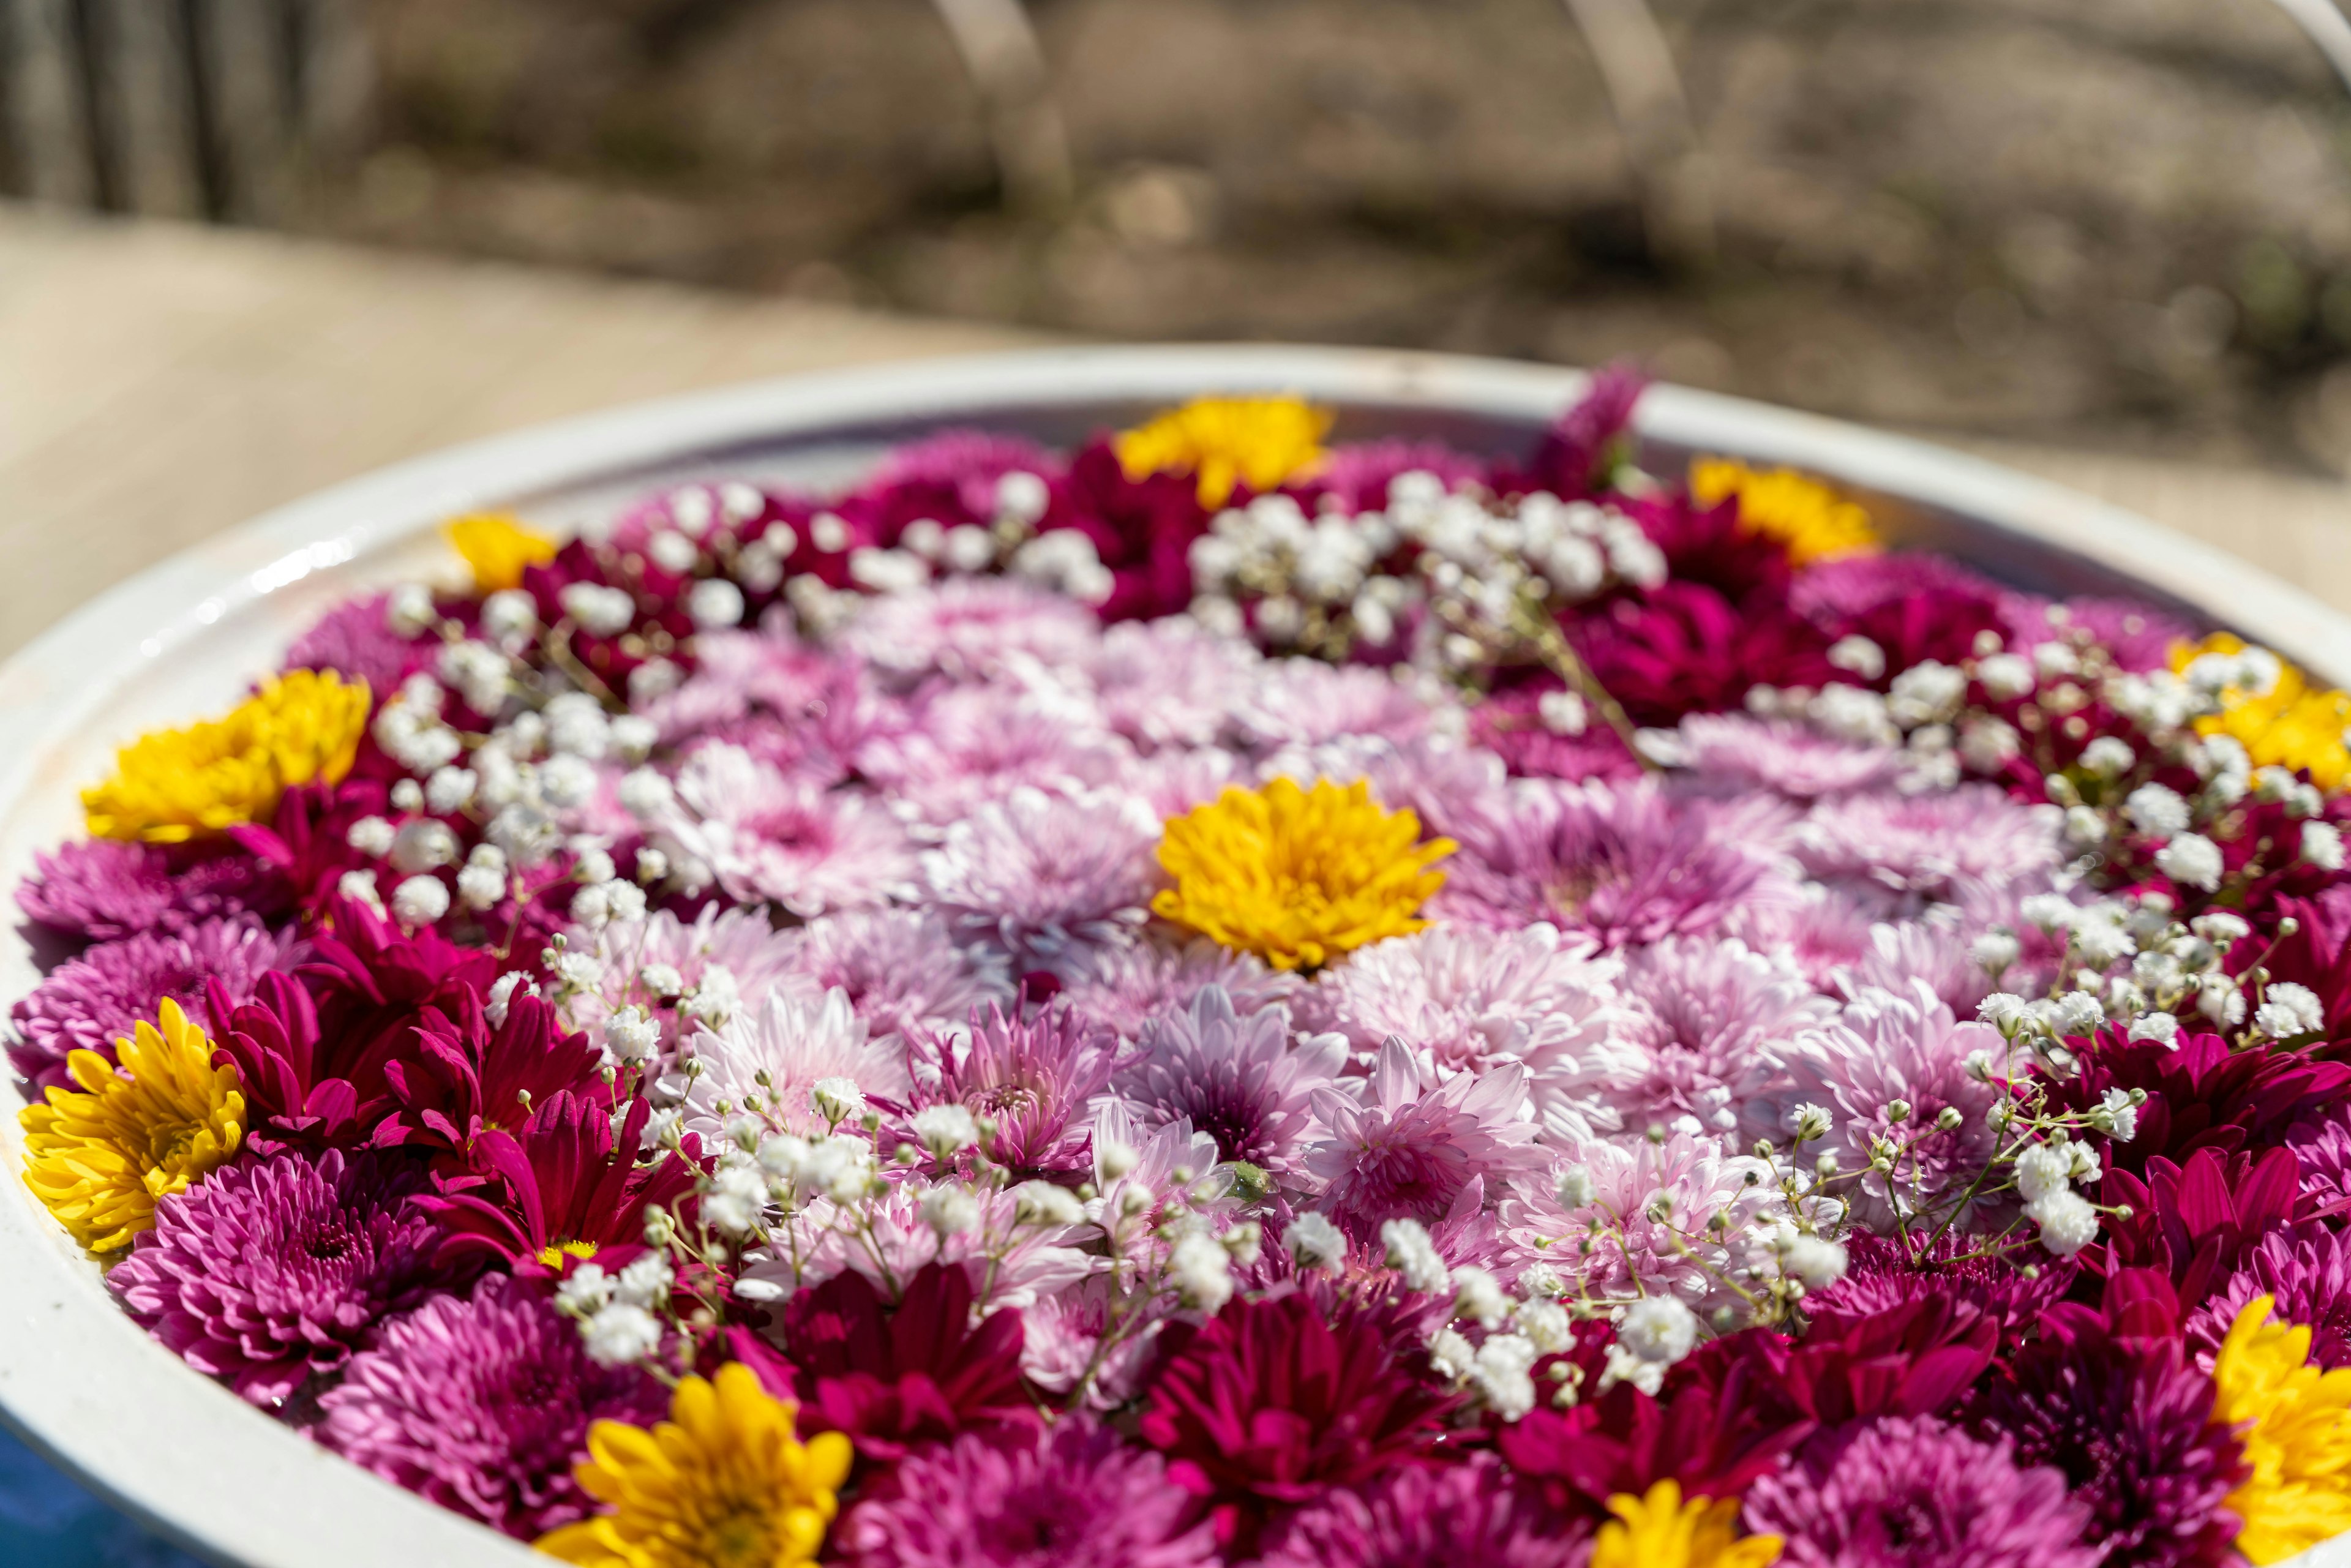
(1819, 930)
(1239, 1078)
(1471, 998)
(740, 941)
(1134, 1205)
(805, 711)
(1404, 1145)
(1127, 986)
(1730, 754)
(774, 1054)
(1703, 1017)
(901, 968)
(966, 745)
(1030, 1076)
(1886, 1046)
(1041, 872)
(763, 835)
(1656, 1201)
(1933, 950)
(968, 628)
(1167, 684)
(1624, 865)
(1173, 783)
(1442, 781)
(1305, 702)
(889, 1240)
(1937, 846)
(1061, 1339)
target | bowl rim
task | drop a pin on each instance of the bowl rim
(96, 1395)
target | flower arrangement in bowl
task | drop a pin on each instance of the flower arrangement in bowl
(1240, 994)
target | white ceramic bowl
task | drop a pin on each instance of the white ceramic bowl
(87, 1387)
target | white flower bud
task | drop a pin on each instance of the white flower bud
(945, 1130)
(419, 900)
(1315, 1242)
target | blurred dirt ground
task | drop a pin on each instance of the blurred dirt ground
(2122, 225)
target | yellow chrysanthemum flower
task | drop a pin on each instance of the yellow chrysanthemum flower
(99, 1159)
(722, 1483)
(2293, 725)
(172, 785)
(2299, 1445)
(498, 546)
(1298, 877)
(1660, 1530)
(1224, 442)
(1814, 521)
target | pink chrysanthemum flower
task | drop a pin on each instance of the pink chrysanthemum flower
(1072, 1493)
(1469, 1515)
(1062, 1344)
(1624, 865)
(1448, 784)
(1730, 754)
(273, 1269)
(968, 629)
(1821, 930)
(806, 712)
(482, 1403)
(789, 1041)
(1029, 1077)
(1156, 1154)
(107, 889)
(1703, 1017)
(902, 969)
(1887, 1046)
(1044, 873)
(1305, 702)
(1167, 684)
(1237, 1077)
(89, 1002)
(1470, 1000)
(1935, 846)
(2306, 1269)
(765, 836)
(1903, 1491)
(966, 746)
(355, 640)
(1404, 1145)
(1127, 986)
(754, 955)
(890, 1240)
(1172, 782)
(1656, 1203)
(1933, 950)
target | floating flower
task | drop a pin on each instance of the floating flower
(901, 968)
(1298, 877)
(278, 1269)
(1469, 1515)
(722, 1481)
(1405, 1146)
(1032, 1077)
(172, 785)
(2291, 723)
(497, 548)
(1659, 1530)
(768, 1063)
(1224, 443)
(100, 1158)
(1661, 1200)
(1045, 872)
(566, 1186)
(764, 835)
(2305, 1270)
(1702, 1016)
(1076, 1493)
(1126, 988)
(105, 890)
(1238, 1079)
(89, 1002)
(482, 1403)
(2297, 1437)
(1813, 520)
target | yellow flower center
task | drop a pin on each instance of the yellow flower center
(2294, 725)
(2299, 1442)
(100, 1158)
(1295, 876)
(555, 1252)
(1226, 441)
(1812, 520)
(722, 1483)
(172, 785)
(498, 546)
(1661, 1531)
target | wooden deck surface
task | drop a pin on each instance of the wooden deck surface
(159, 382)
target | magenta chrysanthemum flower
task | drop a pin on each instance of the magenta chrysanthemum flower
(968, 629)
(1624, 865)
(1730, 754)
(1670, 1250)
(1044, 872)
(566, 1186)
(901, 968)
(272, 1269)
(1404, 1145)
(1889, 1046)
(775, 1055)
(765, 836)
(1470, 1515)
(1128, 986)
(2307, 1269)
(1237, 1077)
(89, 1002)
(105, 889)
(1911, 1493)
(355, 639)
(1944, 846)
(482, 1403)
(1030, 1076)
(1882, 1273)
(468, 1075)
(1073, 1493)
(1471, 999)
(1703, 1015)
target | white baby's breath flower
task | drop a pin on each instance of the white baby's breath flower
(1412, 1254)
(1202, 1270)
(621, 1335)
(1315, 1242)
(2191, 860)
